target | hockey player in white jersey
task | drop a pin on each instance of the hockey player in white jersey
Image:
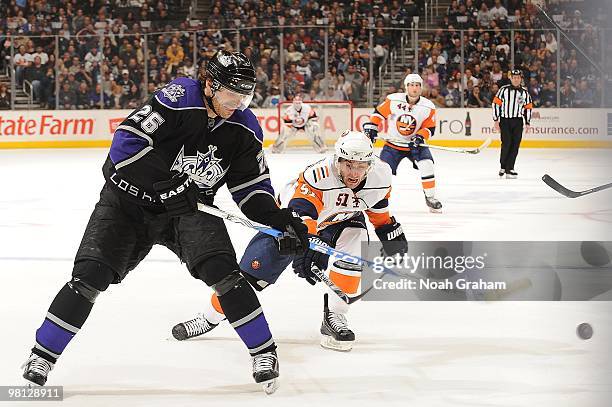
(411, 120)
(299, 117)
(331, 196)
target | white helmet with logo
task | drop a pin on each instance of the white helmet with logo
(412, 78)
(354, 146)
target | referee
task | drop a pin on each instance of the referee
(511, 106)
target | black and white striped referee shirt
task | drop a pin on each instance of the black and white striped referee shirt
(511, 102)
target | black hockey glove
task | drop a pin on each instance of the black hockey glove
(295, 236)
(371, 130)
(415, 141)
(302, 264)
(392, 238)
(178, 194)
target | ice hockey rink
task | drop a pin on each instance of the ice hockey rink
(406, 354)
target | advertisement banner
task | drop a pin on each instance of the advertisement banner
(455, 127)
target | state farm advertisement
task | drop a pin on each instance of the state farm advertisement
(57, 126)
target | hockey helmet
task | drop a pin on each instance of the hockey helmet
(413, 78)
(233, 71)
(353, 146)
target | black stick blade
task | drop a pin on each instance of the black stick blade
(550, 181)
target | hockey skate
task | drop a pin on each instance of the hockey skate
(36, 370)
(265, 371)
(501, 172)
(434, 205)
(334, 330)
(511, 174)
(192, 328)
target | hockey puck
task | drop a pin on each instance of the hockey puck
(594, 253)
(584, 331)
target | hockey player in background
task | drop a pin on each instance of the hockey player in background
(298, 117)
(411, 120)
(189, 139)
(331, 196)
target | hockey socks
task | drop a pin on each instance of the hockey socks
(428, 179)
(65, 317)
(243, 310)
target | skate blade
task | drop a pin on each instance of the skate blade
(270, 386)
(328, 342)
(433, 210)
(508, 176)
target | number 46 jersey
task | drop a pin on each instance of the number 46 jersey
(322, 199)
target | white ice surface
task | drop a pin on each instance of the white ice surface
(407, 353)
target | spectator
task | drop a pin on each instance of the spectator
(311, 95)
(22, 60)
(95, 97)
(5, 97)
(273, 99)
(82, 96)
(330, 94)
(67, 97)
(293, 55)
(35, 74)
(356, 80)
(116, 97)
(125, 82)
(431, 78)
(261, 77)
(175, 55)
(548, 96)
(475, 99)
(436, 98)
(344, 87)
(467, 78)
(567, 95)
(92, 55)
(258, 99)
(535, 90)
(452, 97)
(188, 69)
(132, 99)
(44, 57)
(498, 12)
(484, 17)
(584, 96)
(47, 90)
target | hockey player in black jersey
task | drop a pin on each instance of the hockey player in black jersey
(190, 138)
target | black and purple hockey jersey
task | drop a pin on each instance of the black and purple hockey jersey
(172, 132)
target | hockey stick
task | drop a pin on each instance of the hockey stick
(476, 150)
(550, 181)
(277, 233)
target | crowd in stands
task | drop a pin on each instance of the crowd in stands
(487, 27)
(105, 62)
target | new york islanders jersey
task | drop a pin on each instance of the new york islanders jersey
(298, 119)
(322, 199)
(405, 120)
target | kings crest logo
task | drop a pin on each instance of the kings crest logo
(225, 60)
(205, 169)
(173, 92)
